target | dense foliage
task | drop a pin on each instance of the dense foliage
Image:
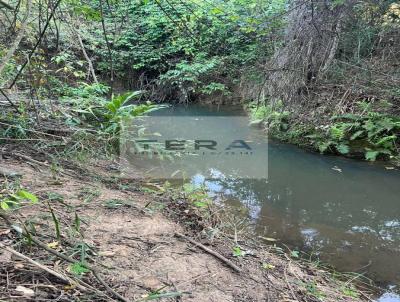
(307, 65)
(187, 48)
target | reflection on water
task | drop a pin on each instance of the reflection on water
(351, 219)
(344, 211)
(389, 297)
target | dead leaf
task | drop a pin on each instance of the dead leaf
(53, 245)
(4, 232)
(69, 287)
(107, 253)
(27, 292)
(268, 266)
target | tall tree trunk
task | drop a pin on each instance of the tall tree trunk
(310, 44)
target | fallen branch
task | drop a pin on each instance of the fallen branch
(91, 68)
(62, 256)
(56, 274)
(288, 283)
(215, 254)
(34, 161)
(32, 131)
(108, 288)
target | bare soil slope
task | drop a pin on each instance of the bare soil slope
(136, 250)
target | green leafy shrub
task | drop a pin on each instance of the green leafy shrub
(185, 47)
(198, 196)
(9, 69)
(118, 109)
(90, 105)
(274, 116)
(375, 132)
(191, 77)
(16, 125)
(85, 90)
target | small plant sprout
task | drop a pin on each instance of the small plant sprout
(78, 269)
(238, 252)
(295, 254)
(198, 196)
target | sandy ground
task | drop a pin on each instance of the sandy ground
(136, 247)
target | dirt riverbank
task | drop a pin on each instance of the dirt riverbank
(134, 244)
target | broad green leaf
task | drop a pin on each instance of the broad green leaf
(4, 205)
(27, 195)
(357, 135)
(324, 146)
(217, 11)
(386, 139)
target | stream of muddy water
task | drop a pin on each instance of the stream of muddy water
(345, 212)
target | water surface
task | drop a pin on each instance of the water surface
(346, 212)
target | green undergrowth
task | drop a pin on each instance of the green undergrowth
(367, 133)
(90, 106)
(92, 120)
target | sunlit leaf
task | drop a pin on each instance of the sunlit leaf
(27, 195)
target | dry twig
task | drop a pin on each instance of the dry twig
(62, 256)
(56, 274)
(208, 250)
